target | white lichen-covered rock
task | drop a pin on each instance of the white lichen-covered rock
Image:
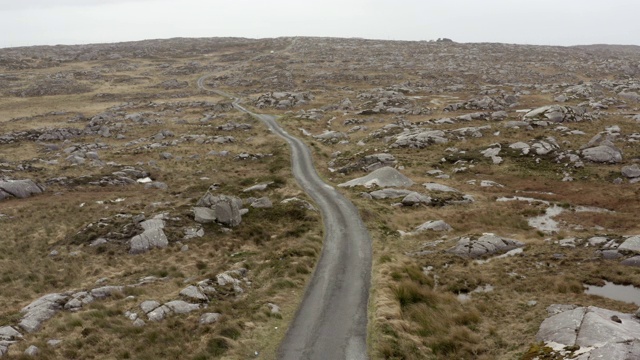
(181, 307)
(209, 318)
(41, 310)
(149, 239)
(383, 177)
(8, 333)
(194, 293)
(599, 333)
(632, 171)
(631, 244)
(603, 154)
(19, 189)
(149, 305)
(433, 225)
(487, 244)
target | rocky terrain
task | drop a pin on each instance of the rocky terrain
(145, 218)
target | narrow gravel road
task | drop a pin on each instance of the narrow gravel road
(331, 323)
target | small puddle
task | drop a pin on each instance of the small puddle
(545, 223)
(626, 293)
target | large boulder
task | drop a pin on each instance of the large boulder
(603, 154)
(19, 188)
(598, 333)
(487, 244)
(632, 171)
(383, 177)
(152, 237)
(631, 244)
(226, 209)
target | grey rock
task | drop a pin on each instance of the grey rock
(153, 238)
(54, 342)
(8, 333)
(156, 185)
(228, 213)
(226, 208)
(421, 139)
(434, 225)
(106, 291)
(331, 137)
(634, 261)
(149, 305)
(631, 244)
(562, 327)
(204, 215)
(209, 318)
(602, 154)
(610, 254)
(273, 309)
(262, 203)
(19, 188)
(32, 350)
(632, 171)
(416, 198)
(487, 244)
(431, 186)
(304, 203)
(191, 233)
(602, 333)
(193, 293)
(389, 194)
(159, 313)
(383, 177)
(152, 224)
(41, 310)
(181, 307)
(139, 323)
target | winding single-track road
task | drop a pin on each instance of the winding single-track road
(331, 322)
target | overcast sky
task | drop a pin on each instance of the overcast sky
(545, 22)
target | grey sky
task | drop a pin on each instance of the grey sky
(549, 22)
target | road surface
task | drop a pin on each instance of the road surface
(331, 323)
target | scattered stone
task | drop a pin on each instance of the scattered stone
(632, 171)
(259, 187)
(209, 318)
(32, 350)
(54, 342)
(262, 203)
(433, 225)
(431, 186)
